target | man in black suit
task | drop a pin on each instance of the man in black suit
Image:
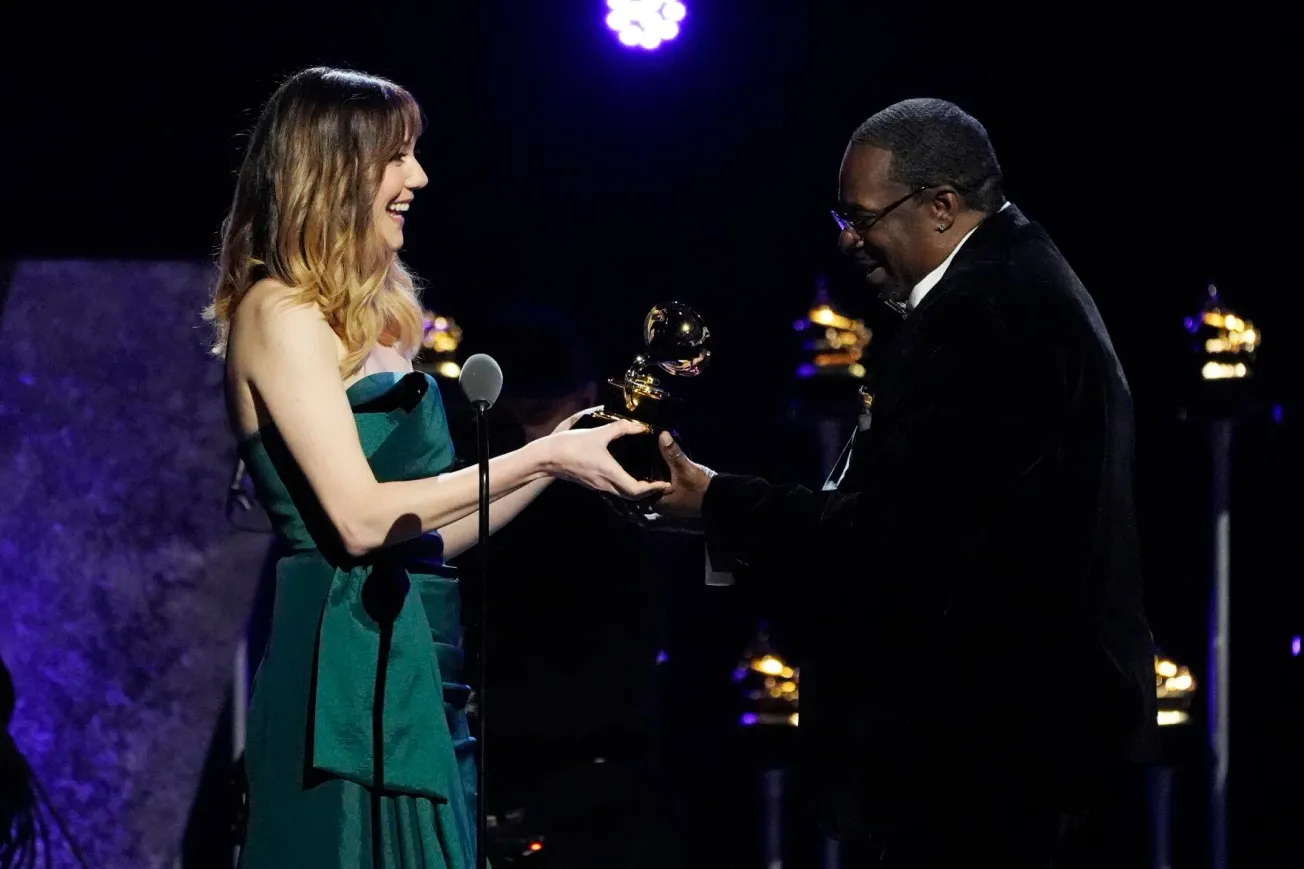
(979, 671)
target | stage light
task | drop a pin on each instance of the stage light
(645, 23)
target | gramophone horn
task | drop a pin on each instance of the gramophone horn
(677, 339)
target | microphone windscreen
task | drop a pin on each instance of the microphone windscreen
(481, 379)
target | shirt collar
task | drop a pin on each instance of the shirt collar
(932, 278)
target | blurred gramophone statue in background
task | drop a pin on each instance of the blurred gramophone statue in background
(1225, 396)
(770, 685)
(830, 371)
(438, 354)
(1226, 342)
(1175, 690)
(834, 344)
(676, 342)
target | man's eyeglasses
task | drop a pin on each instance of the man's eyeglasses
(863, 224)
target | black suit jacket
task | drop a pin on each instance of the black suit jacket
(970, 598)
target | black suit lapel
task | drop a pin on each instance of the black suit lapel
(988, 246)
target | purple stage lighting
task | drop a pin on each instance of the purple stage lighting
(645, 23)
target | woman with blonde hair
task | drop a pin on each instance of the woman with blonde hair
(358, 751)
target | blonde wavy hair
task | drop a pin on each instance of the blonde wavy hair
(303, 211)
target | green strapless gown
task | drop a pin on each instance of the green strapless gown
(360, 648)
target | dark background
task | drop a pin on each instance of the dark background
(1160, 153)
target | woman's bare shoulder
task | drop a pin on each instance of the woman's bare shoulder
(269, 300)
(272, 314)
(275, 335)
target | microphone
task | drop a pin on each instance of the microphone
(481, 381)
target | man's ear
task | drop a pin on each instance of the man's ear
(945, 207)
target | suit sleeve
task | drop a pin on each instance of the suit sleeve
(971, 417)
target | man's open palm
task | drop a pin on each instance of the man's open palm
(688, 482)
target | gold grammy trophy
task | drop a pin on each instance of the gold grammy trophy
(676, 342)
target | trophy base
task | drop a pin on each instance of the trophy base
(653, 409)
(638, 454)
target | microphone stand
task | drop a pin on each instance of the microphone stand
(482, 380)
(482, 804)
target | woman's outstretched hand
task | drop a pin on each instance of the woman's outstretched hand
(581, 456)
(569, 422)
